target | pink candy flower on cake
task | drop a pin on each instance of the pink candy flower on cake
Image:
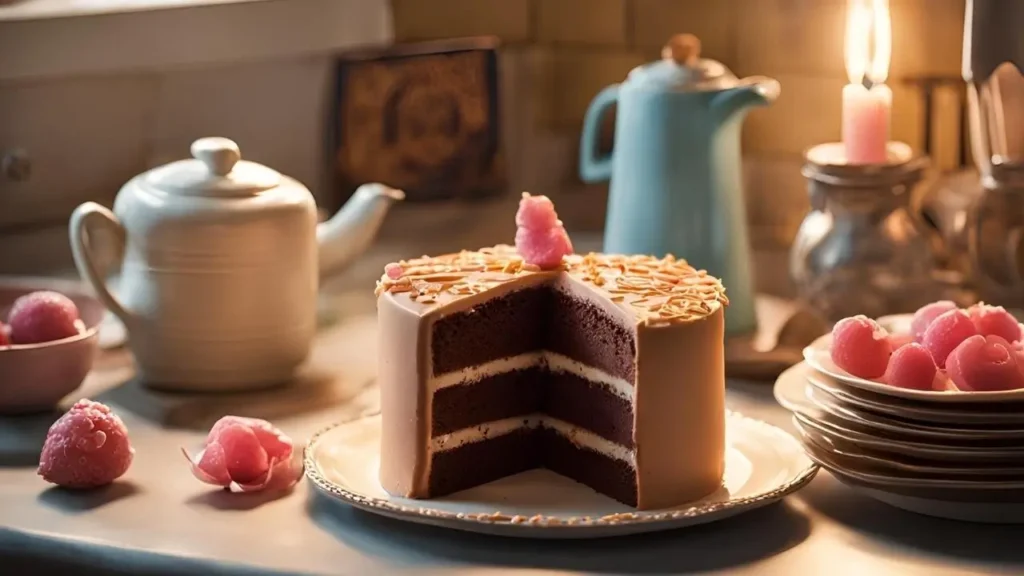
(249, 454)
(541, 238)
(86, 448)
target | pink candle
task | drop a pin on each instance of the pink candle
(866, 111)
(866, 115)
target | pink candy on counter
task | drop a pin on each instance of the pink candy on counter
(541, 238)
(86, 448)
(979, 349)
(249, 454)
(43, 317)
(5, 337)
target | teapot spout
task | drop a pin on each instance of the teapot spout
(752, 91)
(349, 232)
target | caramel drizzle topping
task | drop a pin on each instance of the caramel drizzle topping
(658, 290)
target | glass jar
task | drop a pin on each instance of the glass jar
(858, 250)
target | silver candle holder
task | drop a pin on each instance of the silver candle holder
(859, 250)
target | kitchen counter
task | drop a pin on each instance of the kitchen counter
(160, 520)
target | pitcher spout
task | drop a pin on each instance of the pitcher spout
(750, 92)
(349, 232)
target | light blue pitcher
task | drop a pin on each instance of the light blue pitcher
(675, 170)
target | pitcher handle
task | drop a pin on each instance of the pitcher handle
(592, 167)
(83, 219)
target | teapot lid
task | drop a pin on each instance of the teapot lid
(216, 169)
(681, 69)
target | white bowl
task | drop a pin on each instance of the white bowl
(818, 357)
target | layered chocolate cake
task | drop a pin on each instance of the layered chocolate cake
(607, 369)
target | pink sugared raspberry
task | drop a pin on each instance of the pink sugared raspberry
(543, 248)
(5, 339)
(394, 271)
(985, 364)
(86, 448)
(43, 317)
(911, 366)
(248, 453)
(927, 314)
(946, 333)
(536, 213)
(995, 321)
(861, 347)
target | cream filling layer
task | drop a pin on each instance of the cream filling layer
(575, 434)
(552, 361)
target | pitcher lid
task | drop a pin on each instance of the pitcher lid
(681, 69)
(215, 169)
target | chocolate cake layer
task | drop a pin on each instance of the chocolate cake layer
(609, 476)
(514, 393)
(488, 460)
(562, 395)
(533, 319)
(591, 406)
(502, 327)
(477, 463)
(583, 332)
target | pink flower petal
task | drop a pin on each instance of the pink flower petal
(274, 442)
(247, 454)
(200, 474)
(283, 474)
(246, 459)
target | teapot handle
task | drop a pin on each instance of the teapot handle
(84, 217)
(592, 167)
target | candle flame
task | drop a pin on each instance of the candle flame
(868, 41)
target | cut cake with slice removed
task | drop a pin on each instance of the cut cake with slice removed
(609, 370)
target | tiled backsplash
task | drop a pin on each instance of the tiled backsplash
(560, 53)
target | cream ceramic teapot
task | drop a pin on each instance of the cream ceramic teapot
(222, 262)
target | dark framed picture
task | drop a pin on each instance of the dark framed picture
(421, 117)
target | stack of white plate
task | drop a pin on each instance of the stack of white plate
(951, 454)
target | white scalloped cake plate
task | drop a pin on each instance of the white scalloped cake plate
(818, 357)
(763, 465)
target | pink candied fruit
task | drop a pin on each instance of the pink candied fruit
(87, 447)
(394, 271)
(861, 347)
(249, 454)
(543, 248)
(541, 239)
(946, 333)
(536, 213)
(927, 314)
(995, 321)
(43, 317)
(911, 366)
(5, 339)
(985, 364)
